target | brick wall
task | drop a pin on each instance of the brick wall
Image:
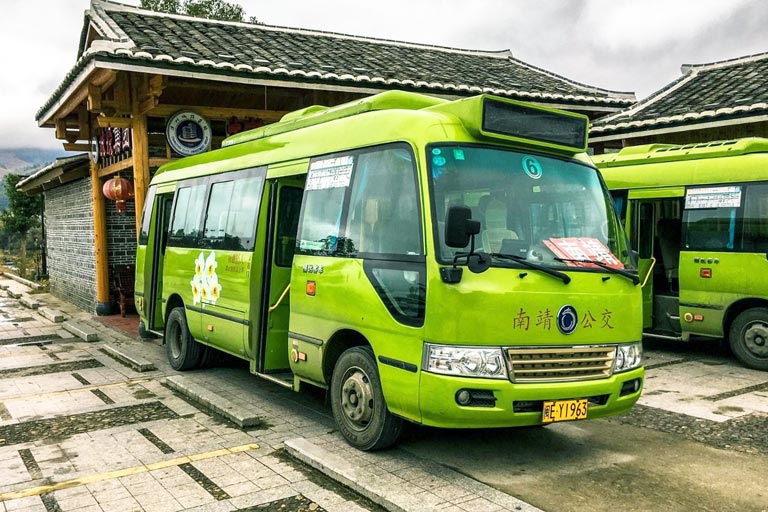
(69, 241)
(121, 233)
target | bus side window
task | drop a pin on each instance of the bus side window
(187, 214)
(643, 231)
(755, 231)
(384, 216)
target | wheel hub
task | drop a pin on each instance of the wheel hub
(357, 398)
(756, 338)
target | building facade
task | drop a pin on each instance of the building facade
(137, 69)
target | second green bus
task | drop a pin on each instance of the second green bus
(698, 217)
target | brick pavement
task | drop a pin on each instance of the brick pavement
(104, 437)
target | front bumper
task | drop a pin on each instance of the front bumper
(519, 404)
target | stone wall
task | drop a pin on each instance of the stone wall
(69, 241)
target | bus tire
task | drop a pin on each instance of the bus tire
(358, 402)
(749, 338)
(181, 348)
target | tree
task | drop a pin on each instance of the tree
(22, 213)
(211, 9)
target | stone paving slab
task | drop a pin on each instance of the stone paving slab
(51, 314)
(240, 416)
(29, 302)
(413, 485)
(82, 331)
(132, 360)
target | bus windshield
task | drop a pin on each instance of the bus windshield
(547, 210)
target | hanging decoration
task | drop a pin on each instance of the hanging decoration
(119, 190)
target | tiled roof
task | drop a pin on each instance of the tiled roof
(136, 36)
(706, 93)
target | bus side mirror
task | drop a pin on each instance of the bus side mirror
(459, 227)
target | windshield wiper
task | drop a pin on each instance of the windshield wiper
(554, 273)
(629, 275)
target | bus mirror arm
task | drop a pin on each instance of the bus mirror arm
(460, 230)
(649, 273)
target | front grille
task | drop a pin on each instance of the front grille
(560, 364)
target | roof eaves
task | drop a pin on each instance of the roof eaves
(64, 163)
(127, 53)
(739, 111)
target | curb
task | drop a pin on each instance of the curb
(21, 280)
(393, 492)
(135, 362)
(81, 331)
(213, 402)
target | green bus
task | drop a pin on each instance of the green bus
(448, 263)
(698, 217)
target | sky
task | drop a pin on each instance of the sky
(622, 45)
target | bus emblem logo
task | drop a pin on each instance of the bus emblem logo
(532, 167)
(567, 319)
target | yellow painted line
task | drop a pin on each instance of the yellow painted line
(75, 390)
(58, 486)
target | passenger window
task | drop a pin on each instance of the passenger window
(218, 210)
(146, 216)
(289, 208)
(243, 212)
(384, 218)
(711, 229)
(185, 228)
(233, 208)
(755, 231)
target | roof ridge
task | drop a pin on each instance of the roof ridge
(108, 5)
(685, 68)
(585, 87)
(648, 100)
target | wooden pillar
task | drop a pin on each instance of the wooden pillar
(100, 251)
(140, 164)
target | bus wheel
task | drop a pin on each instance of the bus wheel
(182, 349)
(749, 338)
(358, 402)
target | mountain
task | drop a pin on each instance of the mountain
(24, 161)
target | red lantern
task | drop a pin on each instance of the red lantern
(119, 190)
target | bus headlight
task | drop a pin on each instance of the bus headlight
(628, 357)
(465, 361)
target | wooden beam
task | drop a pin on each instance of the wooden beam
(61, 128)
(140, 165)
(100, 77)
(114, 122)
(115, 168)
(269, 116)
(100, 250)
(94, 98)
(121, 91)
(68, 146)
(83, 124)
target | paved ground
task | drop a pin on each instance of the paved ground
(81, 431)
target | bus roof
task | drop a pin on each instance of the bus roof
(389, 117)
(665, 165)
(654, 153)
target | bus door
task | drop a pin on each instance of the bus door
(163, 206)
(285, 207)
(655, 233)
